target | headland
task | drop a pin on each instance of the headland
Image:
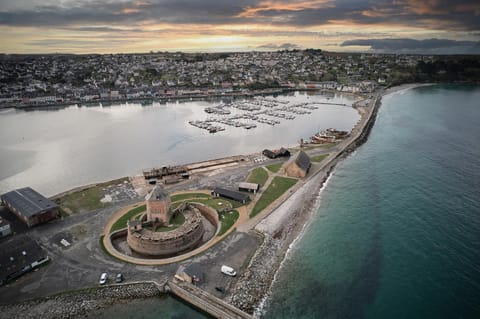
(278, 225)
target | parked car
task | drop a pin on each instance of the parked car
(119, 278)
(227, 270)
(103, 278)
(220, 289)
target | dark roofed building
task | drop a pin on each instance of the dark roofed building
(269, 153)
(298, 166)
(229, 194)
(283, 152)
(249, 187)
(30, 206)
(19, 255)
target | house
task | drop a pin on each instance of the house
(298, 166)
(31, 207)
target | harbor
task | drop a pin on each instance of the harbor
(259, 110)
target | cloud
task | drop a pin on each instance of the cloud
(284, 46)
(428, 46)
(438, 14)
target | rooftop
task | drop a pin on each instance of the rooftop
(28, 201)
(157, 193)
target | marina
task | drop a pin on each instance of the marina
(259, 109)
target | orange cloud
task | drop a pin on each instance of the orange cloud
(269, 5)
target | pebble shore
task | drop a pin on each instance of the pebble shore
(79, 303)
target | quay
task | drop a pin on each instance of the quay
(205, 301)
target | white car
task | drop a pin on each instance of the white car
(227, 270)
(103, 279)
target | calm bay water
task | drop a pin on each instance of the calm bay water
(53, 151)
(397, 234)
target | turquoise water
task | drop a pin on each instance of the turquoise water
(397, 234)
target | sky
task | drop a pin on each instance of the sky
(126, 26)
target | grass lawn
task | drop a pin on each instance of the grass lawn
(277, 187)
(227, 220)
(86, 200)
(180, 197)
(316, 146)
(122, 221)
(274, 168)
(218, 203)
(259, 176)
(175, 222)
(318, 158)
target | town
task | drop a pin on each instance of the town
(69, 79)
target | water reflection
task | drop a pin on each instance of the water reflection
(59, 149)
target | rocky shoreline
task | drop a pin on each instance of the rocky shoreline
(79, 303)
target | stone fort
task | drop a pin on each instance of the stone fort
(143, 238)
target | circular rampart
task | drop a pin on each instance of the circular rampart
(168, 243)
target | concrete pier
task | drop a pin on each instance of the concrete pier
(205, 301)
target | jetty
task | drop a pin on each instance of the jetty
(205, 301)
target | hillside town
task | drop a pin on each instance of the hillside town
(68, 79)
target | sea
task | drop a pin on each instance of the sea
(396, 233)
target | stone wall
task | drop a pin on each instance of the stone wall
(187, 236)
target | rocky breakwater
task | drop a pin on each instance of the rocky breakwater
(78, 303)
(255, 281)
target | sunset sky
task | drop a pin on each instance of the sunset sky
(114, 26)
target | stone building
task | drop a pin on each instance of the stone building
(298, 166)
(158, 206)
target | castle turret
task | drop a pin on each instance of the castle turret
(158, 206)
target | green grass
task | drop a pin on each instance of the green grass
(180, 197)
(218, 203)
(175, 222)
(63, 213)
(227, 220)
(274, 168)
(318, 158)
(259, 176)
(86, 200)
(214, 202)
(122, 221)
(277, 187)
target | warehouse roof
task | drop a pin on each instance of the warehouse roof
(237, 196)
(28, 202)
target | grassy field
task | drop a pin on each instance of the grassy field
(274, 168)
(259, 176)
(316, 146)
(318, 158)
(214, 202)
(227, 220)
(86, 200)
(122, 221)
(277, 187)
(180, 197)
(175, 222)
